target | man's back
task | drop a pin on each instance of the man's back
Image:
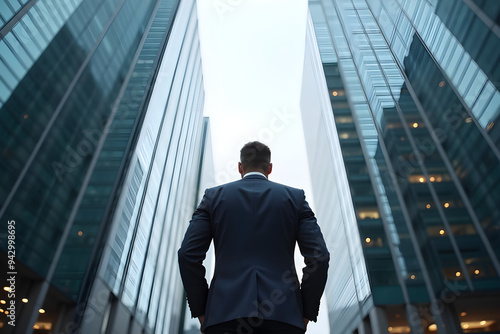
(251, 218)
(255, 229)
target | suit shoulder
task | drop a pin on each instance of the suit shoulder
(220, 187)
(238, 183)
(292, 190)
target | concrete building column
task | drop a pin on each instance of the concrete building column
(364, 327)
(414, 321)
(378, 320)
(449, 317)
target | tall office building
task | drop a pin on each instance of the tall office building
(401, 108)
(103, 141)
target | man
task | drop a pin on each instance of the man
(255, 224)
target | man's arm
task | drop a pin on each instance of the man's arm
(316, 257)
(191, 255)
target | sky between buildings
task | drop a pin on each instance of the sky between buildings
(252, 56)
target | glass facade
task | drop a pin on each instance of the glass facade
(102, 136)
(413, 89)
(347, 293)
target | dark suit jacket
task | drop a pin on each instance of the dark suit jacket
(255, 224)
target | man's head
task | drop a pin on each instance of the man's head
(255, 157)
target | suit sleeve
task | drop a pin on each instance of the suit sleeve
(191, 255)
(316, 257)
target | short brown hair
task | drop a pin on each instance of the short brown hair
(255, 155)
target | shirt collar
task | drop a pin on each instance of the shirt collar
(254, 173)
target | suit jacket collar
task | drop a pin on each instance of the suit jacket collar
(255, 176)
(253, 173)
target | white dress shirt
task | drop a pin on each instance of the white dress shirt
(254, 173)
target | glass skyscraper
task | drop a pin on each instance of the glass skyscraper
(406, 114)
(103, 142)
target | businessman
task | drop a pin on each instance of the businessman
(255, 224)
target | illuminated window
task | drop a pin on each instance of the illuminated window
(468, 325)
(399, 329)
(47, 326)
(374, 242)
(452, 273)
(344, 135)
(343, 119)
(416, 179)
(436, 231)
(438, 178)
(368, 214)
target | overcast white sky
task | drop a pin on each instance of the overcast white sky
(252, 55)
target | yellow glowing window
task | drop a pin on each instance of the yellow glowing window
(416, 179)
(399, 329)
(43, 325)
(365, 214)
(343, 119)
(344, 135)
(467, 325)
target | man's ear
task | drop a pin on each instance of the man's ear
(270, 169)
(240, 168)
